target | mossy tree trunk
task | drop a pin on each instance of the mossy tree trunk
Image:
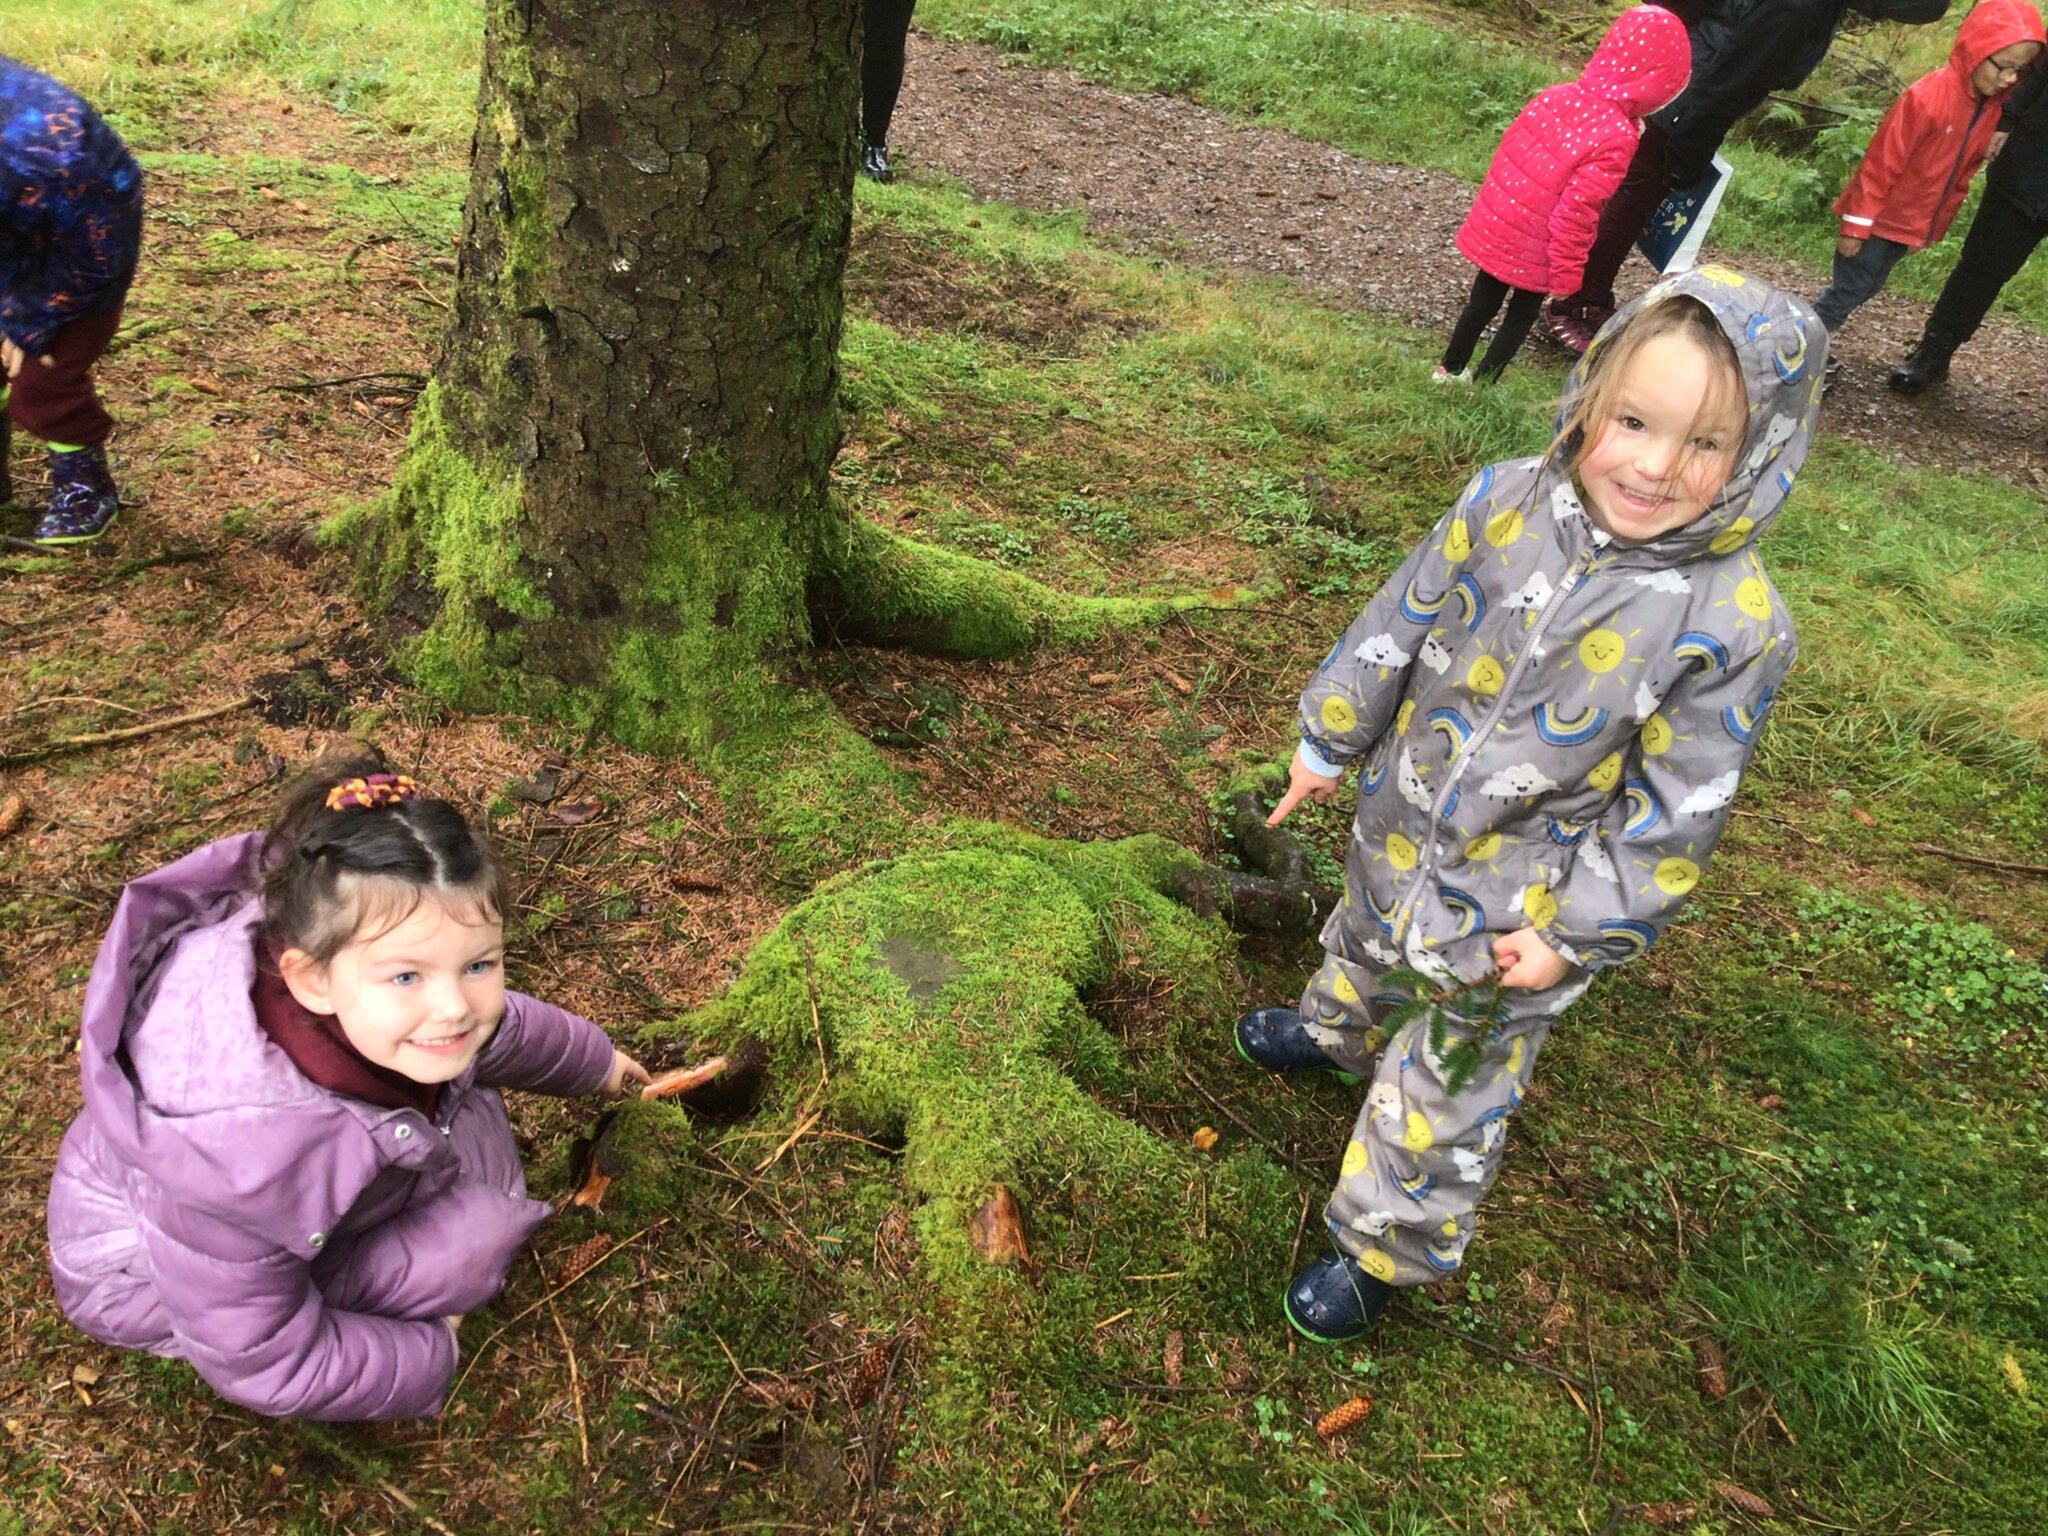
(617, 483)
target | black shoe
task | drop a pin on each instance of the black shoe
(1278, 1040)
(874, 163)
(1927, 364)
(1332, 1300)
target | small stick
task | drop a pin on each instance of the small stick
(575, 1383)
(817, 1028)
(127, 733)
(683, 1079)
(2040, 871)
(789, 1141)
(1239, 1121)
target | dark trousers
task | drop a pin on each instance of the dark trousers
(1487, 293)
(1857, 279)
(56, 401)
(2001, 238)
(1641, 190)
(885, 28)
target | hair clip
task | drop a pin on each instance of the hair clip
(368, 794)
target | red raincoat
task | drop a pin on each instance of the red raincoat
(1917, 170)
(1562, 157)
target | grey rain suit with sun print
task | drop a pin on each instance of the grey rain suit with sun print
(1549, 727)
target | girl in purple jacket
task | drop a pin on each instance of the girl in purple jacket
(293, 1168)
(1560, 160)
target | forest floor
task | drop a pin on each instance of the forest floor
(1768, 1252)
(1174, 177)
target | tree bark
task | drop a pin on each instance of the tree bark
(617, 483)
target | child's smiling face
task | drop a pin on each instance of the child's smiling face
(421, 997)
(1667, 446)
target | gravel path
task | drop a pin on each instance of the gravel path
(1178, 178)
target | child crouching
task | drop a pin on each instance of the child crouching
(1551, 704)
(293, 1168)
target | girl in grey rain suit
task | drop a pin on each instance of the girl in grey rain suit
(1549, 722)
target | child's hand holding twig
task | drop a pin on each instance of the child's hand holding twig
(1302, 784)
(624, 1070)
(1526, 961)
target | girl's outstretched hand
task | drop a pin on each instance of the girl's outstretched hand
(1526, 961)
(1302, 785)
(624, 1070)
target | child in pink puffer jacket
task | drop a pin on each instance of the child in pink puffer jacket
(1560, 160)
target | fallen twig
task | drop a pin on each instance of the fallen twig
(683, 1079)
(2038, 871)
(1239, 1121)
(127, 733)
(407, 384)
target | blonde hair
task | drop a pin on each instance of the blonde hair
(1608, 361)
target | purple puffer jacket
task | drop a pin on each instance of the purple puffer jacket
(299, 1247)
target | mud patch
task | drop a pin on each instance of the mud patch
(911, 283)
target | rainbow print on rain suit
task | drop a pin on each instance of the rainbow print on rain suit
(1549, 730)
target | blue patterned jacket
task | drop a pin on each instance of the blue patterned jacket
(70, 209)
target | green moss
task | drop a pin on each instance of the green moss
(649, 1143)
(895, 589)
(949, 987)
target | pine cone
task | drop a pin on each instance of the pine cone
(1176, 1350)
(1662, 1517)
(1344, 1417)
(579, 1259)
(869, 1374)
(1749, 1503)
(1713, 1373)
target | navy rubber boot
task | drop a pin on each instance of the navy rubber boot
(1332, 1300)
(1276, 1039)
(85, 501)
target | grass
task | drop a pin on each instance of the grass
(1421, 89)
(1775, 1135)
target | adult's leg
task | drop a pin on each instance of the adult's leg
(56, 401)
(1480, 308)
(1641, 190)
(1421, 1157)
(1523, 307)
(1856, 280)
(885, 30)
(2002, 236)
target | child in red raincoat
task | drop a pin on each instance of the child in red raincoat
(1560, 160)
(1917, 170)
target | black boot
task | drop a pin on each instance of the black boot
(1333, 1301)
(874, 163)
(1927, 364)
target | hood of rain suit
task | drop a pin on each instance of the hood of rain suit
(1550, 729)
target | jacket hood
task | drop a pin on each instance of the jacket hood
(1992, 25)
(177, 1074)
(1643, 62)
(1783, 349)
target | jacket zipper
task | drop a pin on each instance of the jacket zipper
(1426, 866)
(1934, 219)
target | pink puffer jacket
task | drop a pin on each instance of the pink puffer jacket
(1564, 155)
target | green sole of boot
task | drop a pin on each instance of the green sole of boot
(1348, 1079)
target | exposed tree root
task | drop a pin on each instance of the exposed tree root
(1275, 894)
(874, 585)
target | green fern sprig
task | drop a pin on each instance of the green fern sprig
(1478, 1009)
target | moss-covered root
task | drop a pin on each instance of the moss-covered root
(948, 988)
(876, 585)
